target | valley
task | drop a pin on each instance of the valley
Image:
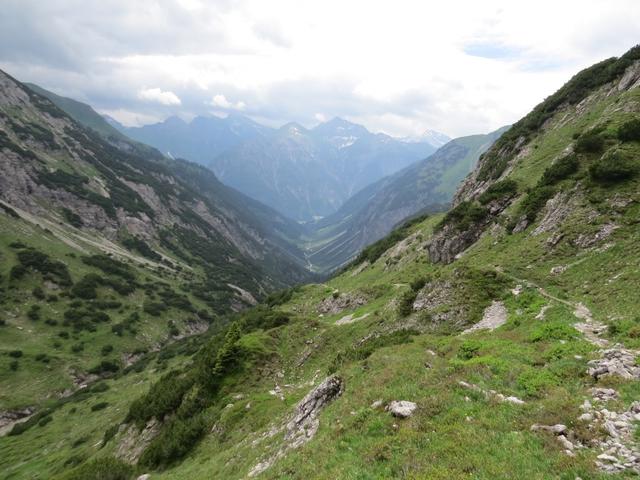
(461, 310)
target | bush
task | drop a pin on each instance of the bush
(469, 349)
(34, 312)
(174, 442)
(498, 191)
(15, 353)
(99, 406)
(22, 427)
(72, 218)
(13, 365)
(463, 216)
(590, 142)
(630, 131)
(38, 293)
(31, 259)
(154, 309)
(106, 350)
(535, 200)
(563, 168)
(139, 245)
(107, 468)
(614, 167)
(405, 304)
(105, 366)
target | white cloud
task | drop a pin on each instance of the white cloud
(221, 101)
(159, 96)
(460, 67)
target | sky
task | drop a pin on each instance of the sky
(399, 67)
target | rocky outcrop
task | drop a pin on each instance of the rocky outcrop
(303, 424)
(341, 301)
(494, 316)
(133, 441)
(401, 408)
(8, 418)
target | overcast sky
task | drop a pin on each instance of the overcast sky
(459, 67)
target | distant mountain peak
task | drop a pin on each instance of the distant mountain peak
(432, 137)
(293, 128)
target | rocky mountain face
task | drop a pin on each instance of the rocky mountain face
(306, 174)
(423, 187)
(56, 170)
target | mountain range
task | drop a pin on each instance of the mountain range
(302, 173)
(328, 243)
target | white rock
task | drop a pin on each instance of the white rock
(401, 408)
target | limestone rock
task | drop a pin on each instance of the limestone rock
(401, 408)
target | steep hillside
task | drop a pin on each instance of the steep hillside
(81, 112)
(109, 251)
(306, 174)
(499, 340)
(424, 187)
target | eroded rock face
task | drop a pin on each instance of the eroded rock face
(445, 245)
(134, 442)
(8, 418)
(343, 301)
(304, 424)
(494, 316)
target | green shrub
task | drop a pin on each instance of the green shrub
(469, 349)
(154, 309)
(499, 190)
(13, 365)
(31, 259)
(15, 353)
(107, 468)
(72, 218)
(535, 382)
(139, 245)
(105, 366)
(463, 216)
(110, 266)
(615, 166)
(106, 350)
(418, 284)
(552, 330)
(630, 131)
(38, 293)
(405, 304)
(34, 312)
(35, 419)
(590, 142)
(535, 201)
(174, 442)
(563, 168)
(99, 406)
